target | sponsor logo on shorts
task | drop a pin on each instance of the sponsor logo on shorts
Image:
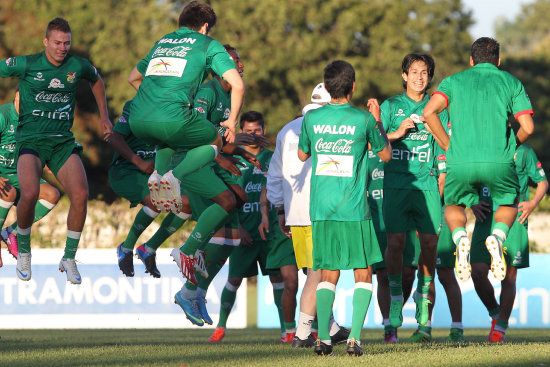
(166, 66)
(518, 258)
(39, 77)
(71, 77)
(334, 165)
(56, 83)
(485, 192)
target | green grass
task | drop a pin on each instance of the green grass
(257, 347)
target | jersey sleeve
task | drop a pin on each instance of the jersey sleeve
(521, 104)
(385, 114)
(533, 166)
(13, 66)
(205, 101)
(142, 65)
(445, 90)
(89, 72)
(218, 59)
(374, 136)
(305, 140)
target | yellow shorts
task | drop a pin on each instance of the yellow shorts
(303, 246)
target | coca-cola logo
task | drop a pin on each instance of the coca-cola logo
(178, 51)
(377, 174)
(52, 97)
(341, 146)
(253, 187)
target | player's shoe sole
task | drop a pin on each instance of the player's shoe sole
(154, 190)
(170, 191)
(462, 262)
(498, 264)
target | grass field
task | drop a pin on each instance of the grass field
(258, 347)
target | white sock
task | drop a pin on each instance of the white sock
(304, 325)
(456, 325)
(201, 292)
(386, 322)
(334, 327)
(188, 293)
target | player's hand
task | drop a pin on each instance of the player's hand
(146, 167)
(251, 158)
(246, 239)
(107, 127)
(251, 139)
(230, 133)
(405, 126)
(374, 108)
(5, 186)
(283, 226)
(263, 228)
(230, 163)
(525, 208)
(481, 210)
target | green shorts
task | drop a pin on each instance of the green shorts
(446, 248)
(344, 245)
(410, 255)
(463, 182)
(192, 132)
(405, 209)
(515, 248)
(52, 151)
(14, 181)
(129, 183)
(244, 261)
(282, 250)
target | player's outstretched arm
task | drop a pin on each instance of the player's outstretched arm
(437, 104)
(237, 97)
(135, 78)
(526, 207)
(98, 89)
(526, 128)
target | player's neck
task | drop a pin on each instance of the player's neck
(342, 100)
(416, 96)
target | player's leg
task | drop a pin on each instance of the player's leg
(394, 262)
(8, 195)
(290, 279)
(361, 301)
(454, 299)
(507, 297)
(326, 291)
(29, 168)
(504, 217)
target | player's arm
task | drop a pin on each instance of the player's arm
(98, 89)
(264, 210)
(526, 128)
(436, 104)
(135, 78)
(303, 156)
(526, 207)
(385, 153)
(119, 144)
(237, 97)
(233, 149)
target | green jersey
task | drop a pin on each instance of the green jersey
(173, 72)
(336, 136)
(253, 180)
(411, 164)
(47, 92)
(8, 125)
(480, 101)
(375, 187)
(144, 151)
(213, 101)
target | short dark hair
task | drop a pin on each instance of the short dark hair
(58, 24)
(195, 14)
(426, 59)
(485, 49)
(228, 47)
(339, 77)
(251, 116)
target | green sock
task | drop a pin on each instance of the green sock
(501, 231)
(195, 159)
(72, 244)
(503, 324)
(162, 160)
(495, 311)
(396, 284)
(169, 225)
(210, 218)
(325, 301)
(290, 325)
(227, 300)
(143, 219)
(216, 256)
(361, 300)
(4, 209)
(24, 240)
(41, 209)
(315, 324)
(458, 233)
(423, 285)
(388, 328)
(278, 289)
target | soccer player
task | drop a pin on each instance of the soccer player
(167, 80)
(254, 251)
(336, 136)
(288, 188)
(9, 186)
(516, 246)
(48, 82)
(411, 196)
(482, 147)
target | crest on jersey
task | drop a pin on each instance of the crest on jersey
(226, 113)
(39, 77)
(71, 77)
(56, 83)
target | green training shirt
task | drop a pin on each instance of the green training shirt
(144, 151)
(9, 119)
(480, 101)
(47, 92)
(214, 102)
(412, 161)
(375, 187)
(173, 72)
(336, 136)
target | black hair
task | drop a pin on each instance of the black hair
(195, 14)
(426, 59)
(485, 49)
(339, 77)
(58, 24)
(252, 116)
